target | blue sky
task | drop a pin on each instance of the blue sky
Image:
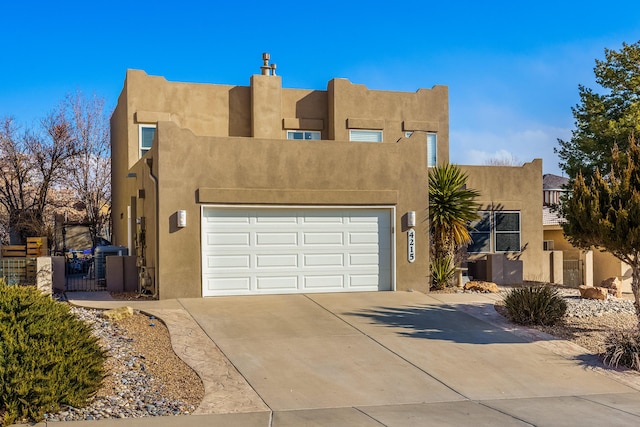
(512, 68)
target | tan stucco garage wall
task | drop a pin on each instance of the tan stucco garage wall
(517, 189)
(207, 171)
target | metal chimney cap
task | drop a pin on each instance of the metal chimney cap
(266, 56)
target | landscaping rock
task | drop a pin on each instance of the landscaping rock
(478, 286)
(593, 292)
(613, 285)
(118, 313)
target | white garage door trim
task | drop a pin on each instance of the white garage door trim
(248, 250)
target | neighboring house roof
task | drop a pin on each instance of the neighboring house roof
(550, 217)
(553, 182)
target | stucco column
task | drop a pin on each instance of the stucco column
(266, 107)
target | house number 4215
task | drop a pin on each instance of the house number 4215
(411, 245)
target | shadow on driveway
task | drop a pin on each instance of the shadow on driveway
(435, 322)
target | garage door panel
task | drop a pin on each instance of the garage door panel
(361, 260)
(321, 218)
(283, 250)
(367, 238)
(323, 260)
(276, 239)
(228, 261)
(228, 239)
(326, 238)
(281, 283)
(274, 217)
(223, 285)
(225, 217)
(363, 280)
(277, 261)
(327, 282)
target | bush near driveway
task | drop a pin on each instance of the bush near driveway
(535, 305)
(47, 357)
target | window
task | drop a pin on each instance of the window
(499, 232)
(480, 231)
(507, 231)
(365, 135)
(147, 133)
(432, 149)
(303, 134)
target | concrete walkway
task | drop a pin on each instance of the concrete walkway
(371, 359)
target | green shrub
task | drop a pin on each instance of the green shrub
(622, 348)
(47, 356)
(535, 305)
(442, 272)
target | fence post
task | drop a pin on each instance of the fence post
(44, 275)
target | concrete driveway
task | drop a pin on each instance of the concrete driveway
(403, 358)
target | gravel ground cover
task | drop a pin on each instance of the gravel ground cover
(144, 376)
(588, 322)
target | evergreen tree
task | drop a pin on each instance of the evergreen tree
(607, 117)
(603, 211)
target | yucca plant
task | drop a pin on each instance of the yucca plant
(451, 207)
(535, 305)
(442, 272)
(622, 348)
(47, 356)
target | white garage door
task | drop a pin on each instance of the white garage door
(285, 250)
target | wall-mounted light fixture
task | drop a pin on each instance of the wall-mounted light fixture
(411, 219)
(182, 218)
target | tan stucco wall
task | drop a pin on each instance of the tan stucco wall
(603, 265)
(283, 173)
(515, 188)
(206, 152)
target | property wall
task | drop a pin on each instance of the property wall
(511, 188)
(601, 266)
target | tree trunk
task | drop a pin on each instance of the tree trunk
(635, 288)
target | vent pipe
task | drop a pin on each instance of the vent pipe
(265, 64)
(266, 69)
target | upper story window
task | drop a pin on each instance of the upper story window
(495, 232)
(147, 133)
(432, 149)
(365, 135)
(303, 134)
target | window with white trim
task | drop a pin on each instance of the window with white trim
(311, 135)
(432, 149)
(497, 231)
(146, 134)
(360, 135)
